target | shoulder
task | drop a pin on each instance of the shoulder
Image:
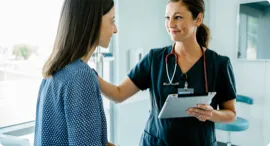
(158, 52)
(83, 76)
(217, 58)
(82, 83)
(75, 72)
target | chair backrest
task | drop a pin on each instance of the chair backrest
(244, 99)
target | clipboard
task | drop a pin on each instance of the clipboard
(176, 105)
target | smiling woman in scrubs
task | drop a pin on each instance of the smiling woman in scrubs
(197, 66)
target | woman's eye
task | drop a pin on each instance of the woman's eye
(178, 17)
(167, 18)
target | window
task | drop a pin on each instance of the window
(252, 35)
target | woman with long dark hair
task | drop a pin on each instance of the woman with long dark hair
(69, 107)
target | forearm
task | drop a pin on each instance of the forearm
(110, 91)
(118, 93)
(223, 116)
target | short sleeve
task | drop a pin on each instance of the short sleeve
(226, 89)
(140, 74)
(82, 110)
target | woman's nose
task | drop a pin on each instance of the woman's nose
(171, 23)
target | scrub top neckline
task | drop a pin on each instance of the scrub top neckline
(193, 66)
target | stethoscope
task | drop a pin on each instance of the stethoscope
(184, 75)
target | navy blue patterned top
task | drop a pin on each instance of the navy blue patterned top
(70, 109)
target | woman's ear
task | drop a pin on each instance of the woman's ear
(199, 19)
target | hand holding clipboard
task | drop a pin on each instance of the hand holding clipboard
(202, 112)
(176, 107)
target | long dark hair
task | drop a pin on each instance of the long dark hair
(78, 32)
(196, 7)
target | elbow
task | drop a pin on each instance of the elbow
(119, 98)
(233, 116)
(114, 99)
(118, 101)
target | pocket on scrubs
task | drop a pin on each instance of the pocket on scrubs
(150, 140)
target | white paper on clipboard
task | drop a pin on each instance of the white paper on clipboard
(175, 107)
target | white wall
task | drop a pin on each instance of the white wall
(141, 25)
(266, 115)
(252, 78)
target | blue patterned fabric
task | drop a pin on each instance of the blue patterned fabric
(70, 109)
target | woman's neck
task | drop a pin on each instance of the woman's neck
(188, 49)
